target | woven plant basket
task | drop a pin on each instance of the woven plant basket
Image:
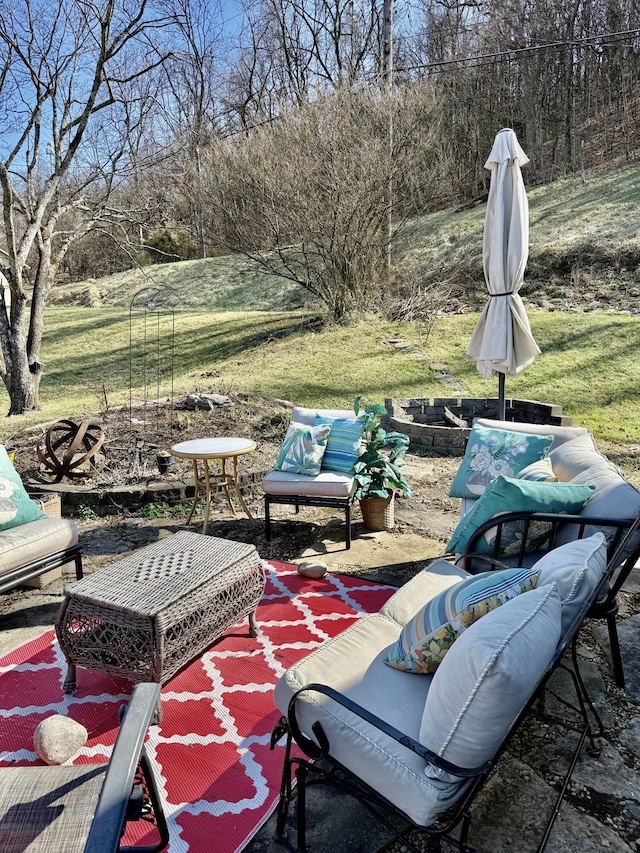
(377, 513)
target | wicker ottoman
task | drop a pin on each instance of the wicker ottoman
(148, 615)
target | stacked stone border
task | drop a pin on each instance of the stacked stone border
(423, 419)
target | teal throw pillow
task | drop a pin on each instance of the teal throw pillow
(16, 507)
(507, 494)
(491, 453)
(343, 447)
(303, 449)
(428, 636)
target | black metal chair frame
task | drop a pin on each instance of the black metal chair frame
(31, 570)
(606, 605)
(321, 767)
(128, 791)
(308, 500)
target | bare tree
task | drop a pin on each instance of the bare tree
(307, 196)
(191, 102)
(63, 72)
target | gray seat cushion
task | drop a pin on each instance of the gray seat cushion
(326, 484)
(436, 577)
(34, 541)
(352, 664)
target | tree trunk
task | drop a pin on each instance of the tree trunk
(23, 380)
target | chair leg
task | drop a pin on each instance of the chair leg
(267, 519)
(348, 523)
(78, 562)
(616, 654)
(301, 810)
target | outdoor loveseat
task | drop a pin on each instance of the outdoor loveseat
(528, 526)
(423, 744)
(31, 543)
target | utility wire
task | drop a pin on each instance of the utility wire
(518, 50)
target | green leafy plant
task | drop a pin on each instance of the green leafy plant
(155, 510)
(85, 512)
(377, 471)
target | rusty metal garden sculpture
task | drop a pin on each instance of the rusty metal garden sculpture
(71, 449)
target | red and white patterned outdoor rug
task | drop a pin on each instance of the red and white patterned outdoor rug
(211, 752)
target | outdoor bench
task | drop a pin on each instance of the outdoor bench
(423, 745)
(33, 538)
(612, 509)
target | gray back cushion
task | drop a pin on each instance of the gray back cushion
(488, 675)
(560, 434)
(577, 569)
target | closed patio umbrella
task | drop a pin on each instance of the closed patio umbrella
(502, 341)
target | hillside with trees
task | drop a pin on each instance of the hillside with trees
(304, 135)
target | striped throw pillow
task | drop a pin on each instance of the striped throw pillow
(540, 472)
(343, 446)
(428, 636)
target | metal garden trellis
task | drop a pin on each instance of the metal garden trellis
(152, 351)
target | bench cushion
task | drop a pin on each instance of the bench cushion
(560, 434)
(576, 568)
(302, 415)
(326, 484)
(487, 677)
(352, 664)
(405, 603)
(575, 456)
(34, 541)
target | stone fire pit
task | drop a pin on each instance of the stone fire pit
(425, 420)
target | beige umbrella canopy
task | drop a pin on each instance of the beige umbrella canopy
(502, 341)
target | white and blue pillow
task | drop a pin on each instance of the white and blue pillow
(343, 446)
(428, 636)
(303, 449)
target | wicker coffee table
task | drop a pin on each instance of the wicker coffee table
(151, 613)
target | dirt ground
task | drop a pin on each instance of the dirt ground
(133, 439)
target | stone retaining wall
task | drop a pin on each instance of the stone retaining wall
(422, 419)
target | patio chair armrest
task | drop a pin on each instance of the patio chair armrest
(322, 747)
(555, 520)
(116, 790)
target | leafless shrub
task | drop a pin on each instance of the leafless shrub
(416, 294)
(309, 195)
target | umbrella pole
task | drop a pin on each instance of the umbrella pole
(502, 405)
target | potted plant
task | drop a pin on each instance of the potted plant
(164, 460)
(377, 471)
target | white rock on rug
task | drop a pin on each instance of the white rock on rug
(57, 738)
(312, 569)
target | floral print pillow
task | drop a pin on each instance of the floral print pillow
(303, 449)
(16, 507)
(428, 636)
(493, 453)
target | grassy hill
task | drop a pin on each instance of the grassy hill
(239, 330)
